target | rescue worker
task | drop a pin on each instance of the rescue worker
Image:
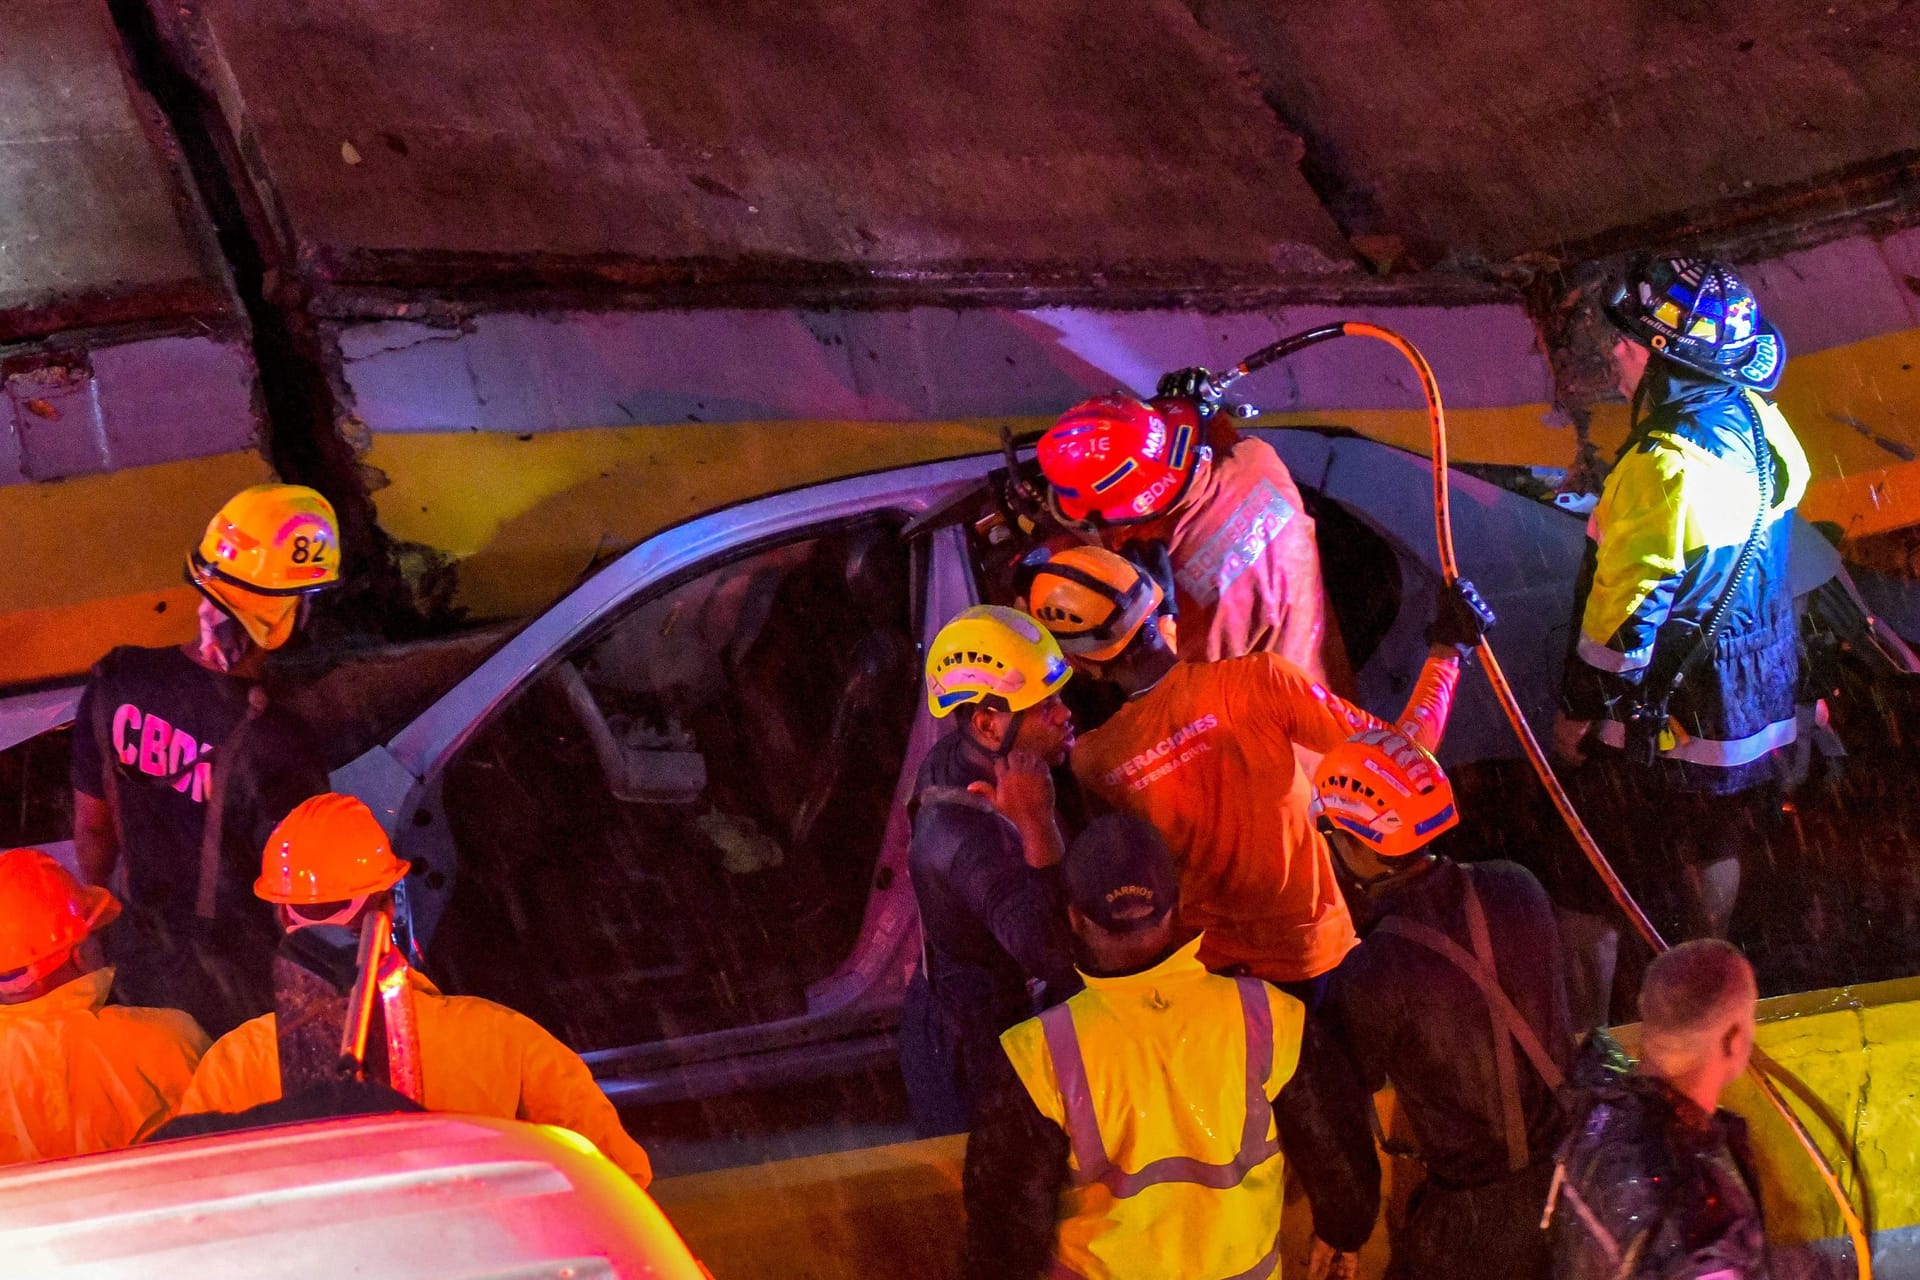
(1687, 655)
(984, 856)
(1166, 478)
(1457, 995)
(1205, 752)
(182, 763)
(1145, 1125)
(328, 866)
(1654, 1180)
(77, 1075)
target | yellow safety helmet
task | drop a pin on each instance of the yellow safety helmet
(1093, 601)
(993, 652)
(270, 545)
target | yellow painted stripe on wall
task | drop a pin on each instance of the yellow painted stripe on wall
(100, 537)
(91, 562)
(43, 644)
(526, 515)
(1519, 436)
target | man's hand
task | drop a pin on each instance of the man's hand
(1460, 617)
(1195, 384)
(1569, 739)
(1329, 1263)
(1022, 789)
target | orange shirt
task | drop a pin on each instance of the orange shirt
(1245, 565)
(1207, 757)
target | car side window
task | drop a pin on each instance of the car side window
(36, 800)
(674, 831)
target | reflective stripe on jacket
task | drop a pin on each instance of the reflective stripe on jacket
(1162, 1082)
(1672, 520)
(1245, 563)
(476, 1057)
(78, 1075)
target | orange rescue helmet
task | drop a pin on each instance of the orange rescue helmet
(1093, 601)
(1385, 790)
(270, 545)
(45, 913)
(1116, 460)
(329, 849)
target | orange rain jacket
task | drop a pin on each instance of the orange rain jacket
(1246, 568)
(476, 1057)
(77, 1077)
(1207, 757)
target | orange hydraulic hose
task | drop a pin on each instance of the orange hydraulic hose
(1542, 767)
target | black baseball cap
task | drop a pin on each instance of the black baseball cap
(1120, 875)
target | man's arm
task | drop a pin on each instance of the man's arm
(1015, 1171)
(1639, 554)
(557, 1087)
(1018, 906)
(1361, 1016)
(1322, 1116)
(96, 840)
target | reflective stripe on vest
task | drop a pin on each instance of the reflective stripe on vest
(1083, 1125)
(1714, 751)
(1261, 1270)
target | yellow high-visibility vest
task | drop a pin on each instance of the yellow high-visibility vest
(1161, 1081)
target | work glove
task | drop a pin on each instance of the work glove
(1460, 617)
(1195, 384)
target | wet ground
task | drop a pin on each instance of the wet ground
(754, 1128)
(1830, 891)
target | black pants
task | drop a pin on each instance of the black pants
(944, 1063)
(1477, 1233)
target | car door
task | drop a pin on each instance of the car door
(667, 818)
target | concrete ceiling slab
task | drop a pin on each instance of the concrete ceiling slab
(1476, 128)
(442, 142)
(96, 222)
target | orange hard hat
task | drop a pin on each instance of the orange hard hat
(1386, 790)
(44, 912)
(1093, 601)
(329, 849)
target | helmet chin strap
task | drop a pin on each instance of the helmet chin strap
(21, 982)
(1014, 721)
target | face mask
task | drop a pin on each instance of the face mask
(223, 642)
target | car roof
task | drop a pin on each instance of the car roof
(422, 1196)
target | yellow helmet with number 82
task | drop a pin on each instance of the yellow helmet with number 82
(269, 546)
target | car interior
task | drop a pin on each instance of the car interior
(673, 831)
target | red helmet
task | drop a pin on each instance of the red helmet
(1386, 790)
(1118, 460)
